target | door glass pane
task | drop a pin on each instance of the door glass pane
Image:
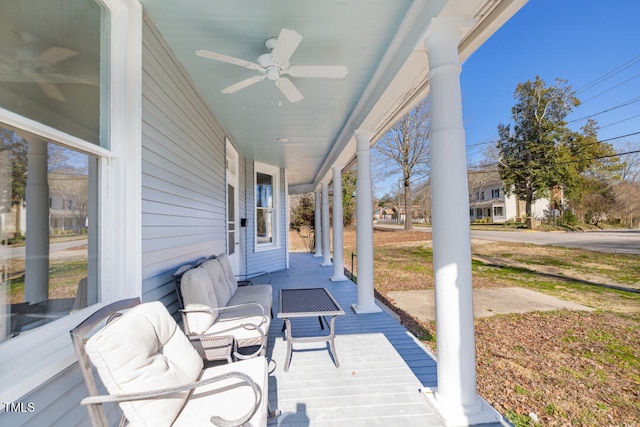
(48, 218)
(51, 67)
(231, 245)
(231, 203)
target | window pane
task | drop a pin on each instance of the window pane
(48, 218)
(264, 191)
(50, 64)
(264, 225)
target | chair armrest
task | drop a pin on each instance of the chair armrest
(263, 343)
(247, 278)
(152, 394)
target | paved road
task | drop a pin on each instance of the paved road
(56, 249)
(618, 241)
(609, 241)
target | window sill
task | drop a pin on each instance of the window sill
(31, 359)
(266, 248)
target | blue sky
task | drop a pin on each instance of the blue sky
(576, 40)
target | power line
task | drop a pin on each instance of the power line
(615, 107)
(596, 142)
(609, 74)
(619, 121)
(481, 168)
(611, 88)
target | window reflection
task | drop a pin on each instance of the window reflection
(48, 216)
(264, 208)
(50, 64)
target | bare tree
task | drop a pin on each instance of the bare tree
(406, 146)
(627, 205)
(631, 167)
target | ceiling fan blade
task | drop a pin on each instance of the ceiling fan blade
(287, 43)
(228, 59)
(51, 90)
(288, 89)
(319, 71)
(244, 83)
(55, 54)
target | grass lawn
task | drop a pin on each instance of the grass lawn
(63, 280)
(555, 368)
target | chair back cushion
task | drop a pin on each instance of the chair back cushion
(198, 292)
(220, 285)
(227, 272)
(143, 350)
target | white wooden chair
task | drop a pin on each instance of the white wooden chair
(150, 369)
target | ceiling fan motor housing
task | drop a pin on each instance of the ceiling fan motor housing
(272, 67)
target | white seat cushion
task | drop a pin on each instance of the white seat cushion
(145, 350)
(236, 398)
(227, 272)
(198, 292)
(220, 285)
(262, 299)
(254, 290)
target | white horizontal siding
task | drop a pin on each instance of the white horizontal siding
(183, 172)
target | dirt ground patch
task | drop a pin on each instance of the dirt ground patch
(560, 368)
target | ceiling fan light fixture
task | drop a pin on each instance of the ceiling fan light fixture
(272, 73)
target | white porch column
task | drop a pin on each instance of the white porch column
(36, 283)
(317, 224)
(364, 227)
(338, 246)
(326, 243)
(456, 400)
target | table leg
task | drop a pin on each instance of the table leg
(289, 339)
(332, 344)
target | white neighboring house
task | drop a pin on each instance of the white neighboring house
(490, 202)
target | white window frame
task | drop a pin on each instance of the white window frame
(31, 359)
(275, 173)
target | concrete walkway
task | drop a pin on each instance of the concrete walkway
(486, 302)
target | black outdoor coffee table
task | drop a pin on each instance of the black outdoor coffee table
(308, 303)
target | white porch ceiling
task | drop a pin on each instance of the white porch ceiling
(375, 40)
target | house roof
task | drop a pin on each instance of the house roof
(379, 43)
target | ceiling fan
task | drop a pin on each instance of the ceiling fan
(275, 65)
(28, 66)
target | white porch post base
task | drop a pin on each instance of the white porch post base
(326, 225)
(338, 218)
(481, 413)
(366, 309)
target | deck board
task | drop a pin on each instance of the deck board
(382, 367)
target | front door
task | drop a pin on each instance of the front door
(233, 232)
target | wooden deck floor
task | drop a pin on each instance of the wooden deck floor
(381, 368)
